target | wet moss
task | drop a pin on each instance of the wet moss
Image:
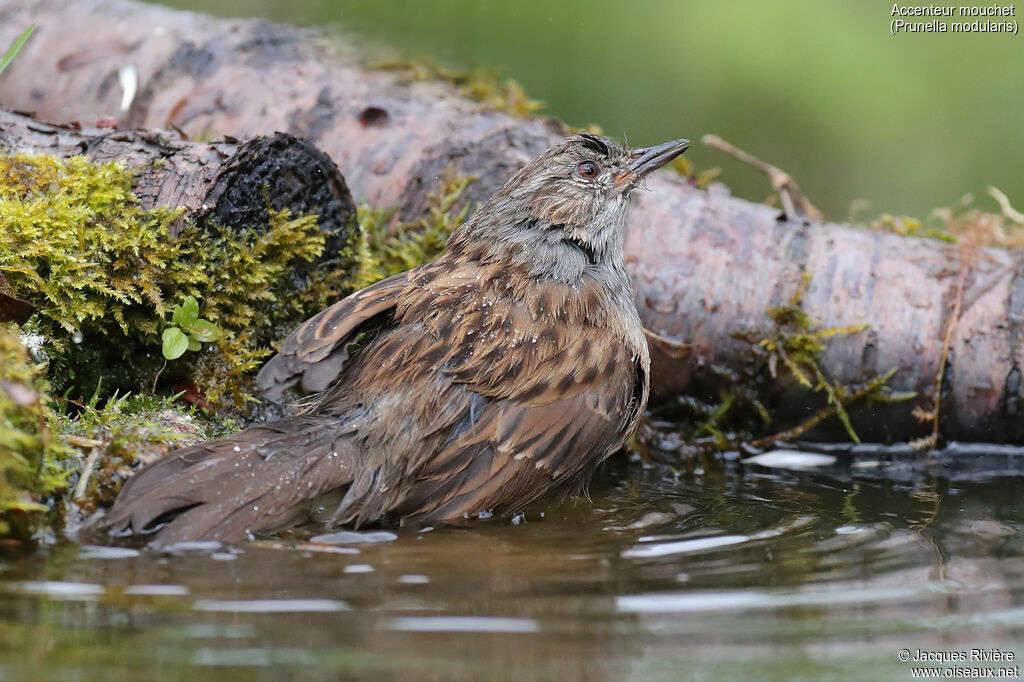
(796, 342)
(30, 451)
(62, 458)
(111, 438)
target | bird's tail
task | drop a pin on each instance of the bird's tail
(260, 479)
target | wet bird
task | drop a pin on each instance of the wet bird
(471, 386)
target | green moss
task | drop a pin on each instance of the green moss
(796, 342)
(485, 86)
(965, 222)
(104, 272)
(387, 249)
(788, 351)
(702, 179)
(110, 438)
(29, 449)
(911, 227)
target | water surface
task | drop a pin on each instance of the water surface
(734, 572)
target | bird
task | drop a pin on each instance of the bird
(469, 387)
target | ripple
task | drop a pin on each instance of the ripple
(413, 579)
(791, 459)
(272, 606)
(460, 624)
(351, 537)
(681, 546)
(157, 590)
(198, 546)
(252, 657)
(752, 599)
(100, 552)
(59, 589)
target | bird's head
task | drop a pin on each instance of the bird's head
(572, 199)
(586, 180)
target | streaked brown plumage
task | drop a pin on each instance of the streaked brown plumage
(472, 385)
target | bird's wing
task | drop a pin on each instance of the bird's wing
(315, 352)
(547, 434)
(550, 393)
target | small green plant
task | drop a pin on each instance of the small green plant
(187, 331)
(15, 48)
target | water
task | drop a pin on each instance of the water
(736, 572)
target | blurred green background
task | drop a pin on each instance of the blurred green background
(821, 89)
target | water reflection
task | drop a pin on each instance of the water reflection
(741, 571)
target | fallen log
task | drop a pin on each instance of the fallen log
(232, 182)
(707, 267)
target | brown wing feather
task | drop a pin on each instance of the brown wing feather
(517, 450)
(315, 352)
(529, 389)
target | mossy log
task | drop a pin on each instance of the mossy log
(234, 183)
(706, 266)
(104, 232)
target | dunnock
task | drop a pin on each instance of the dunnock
(470, 386)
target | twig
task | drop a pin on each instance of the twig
(793, 201)
(81, 441)
(83, 480)
(825, 413)
(932, 441)
(1004, 204)
(157, 377)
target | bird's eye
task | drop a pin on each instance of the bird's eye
(587, 169)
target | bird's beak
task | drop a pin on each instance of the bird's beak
(650, 159)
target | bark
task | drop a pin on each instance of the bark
(705, 265)
(230, 181)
